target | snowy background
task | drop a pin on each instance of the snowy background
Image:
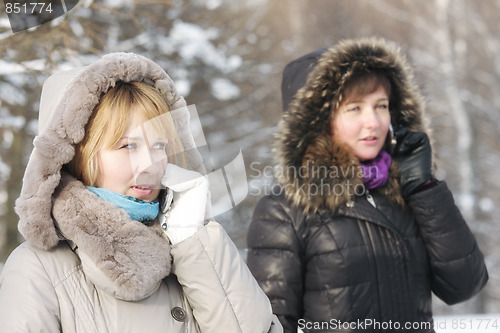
(226, 57)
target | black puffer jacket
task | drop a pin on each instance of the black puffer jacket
(335, 261)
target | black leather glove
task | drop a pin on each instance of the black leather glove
(414, 157)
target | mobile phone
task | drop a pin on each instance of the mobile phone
(392, 138)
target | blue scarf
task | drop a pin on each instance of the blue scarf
(376, 171)
(139, 210)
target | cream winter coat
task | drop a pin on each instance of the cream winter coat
(86, 265)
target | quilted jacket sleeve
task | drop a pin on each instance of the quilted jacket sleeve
(458, 268)
(219, 286)
(28, 302)
(275, 259)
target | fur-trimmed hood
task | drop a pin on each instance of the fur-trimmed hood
(128, 257)
(314, 171)
(121, 256)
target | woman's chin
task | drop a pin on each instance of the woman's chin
(366, 156)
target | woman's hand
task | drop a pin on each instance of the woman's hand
(413, 155)
(189, 202)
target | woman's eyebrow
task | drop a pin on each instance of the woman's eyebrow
(132, 138)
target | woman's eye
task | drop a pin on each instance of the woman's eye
(353, 108)
(159, 146)
(129, 146)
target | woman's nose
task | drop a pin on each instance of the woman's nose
(148, 160)
(371, 119)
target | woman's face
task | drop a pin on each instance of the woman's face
(363, 124)
(136, 164)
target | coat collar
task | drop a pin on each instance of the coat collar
(361, 209)
(119, 255)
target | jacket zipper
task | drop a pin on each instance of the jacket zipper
(370, 199)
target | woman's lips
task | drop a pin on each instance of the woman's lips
(370, 140)
(143, 190)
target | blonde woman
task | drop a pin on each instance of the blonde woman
(113, 210)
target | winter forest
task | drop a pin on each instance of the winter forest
(226, 57)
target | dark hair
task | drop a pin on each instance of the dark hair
(364, 83)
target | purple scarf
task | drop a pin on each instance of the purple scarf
(376, 171)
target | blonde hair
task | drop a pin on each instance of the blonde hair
(109, 121)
